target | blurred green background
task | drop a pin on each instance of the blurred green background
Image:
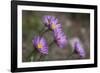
(73, 24)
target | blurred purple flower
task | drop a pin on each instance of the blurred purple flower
(51, 22)
(41, 44)
(60, 38)
(78, 47)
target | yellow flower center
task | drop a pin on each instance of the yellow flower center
(39, 45)
(53, 26)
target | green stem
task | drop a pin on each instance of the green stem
(51, 43)
(32, 52)
(44, 31)
(70, 55)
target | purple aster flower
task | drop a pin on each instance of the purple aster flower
(41, 44)
(78, 47)
(60, 38)
(51, 22)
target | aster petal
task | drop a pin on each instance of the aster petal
(44, 42)
(80, 49)
(60, 38)
(34, 41)
(44, 50)
(54, 20)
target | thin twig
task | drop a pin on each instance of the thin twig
(30, 54)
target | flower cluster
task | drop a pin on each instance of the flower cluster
(60, 38)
